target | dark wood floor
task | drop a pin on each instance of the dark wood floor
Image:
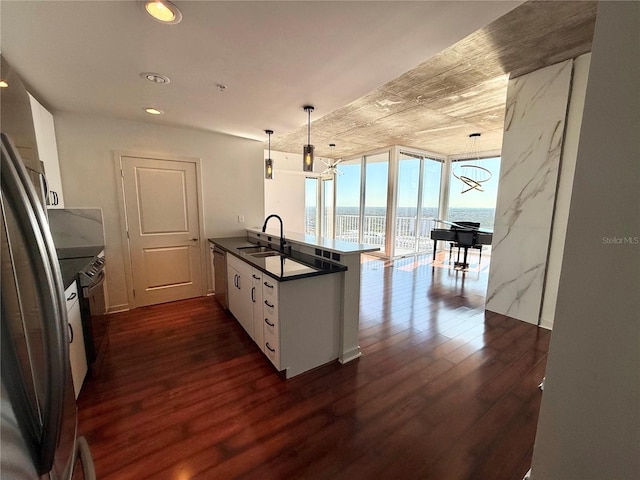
(443, 391)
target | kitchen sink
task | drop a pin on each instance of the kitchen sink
(256, 249)
(267, 253)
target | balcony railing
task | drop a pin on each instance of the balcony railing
(412, 235)
(406, 240)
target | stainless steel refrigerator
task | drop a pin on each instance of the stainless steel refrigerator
(37, 411)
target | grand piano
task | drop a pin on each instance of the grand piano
(461, 235)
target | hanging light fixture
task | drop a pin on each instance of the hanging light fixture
(472, 174)
(268, 163)
(307, 151)
(332, 165)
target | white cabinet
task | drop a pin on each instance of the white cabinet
(77, 354)
(295, 323)
(48, 152)
(239, 285)
(212, 266)
(256, 304)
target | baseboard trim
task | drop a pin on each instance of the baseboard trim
(350, 356)
(118, 308)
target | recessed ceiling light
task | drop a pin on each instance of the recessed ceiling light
(153, 111)
(3, 84)
(163, 11)
(155, 78)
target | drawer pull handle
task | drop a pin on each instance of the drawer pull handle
(72, 296)
(269, 348)
(269, 323)
(267, 285)
(255, 277)
(268, 304)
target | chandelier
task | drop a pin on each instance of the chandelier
(471, 173)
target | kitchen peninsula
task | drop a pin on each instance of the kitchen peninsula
(331, 290)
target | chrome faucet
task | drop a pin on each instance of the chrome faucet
(282, 239)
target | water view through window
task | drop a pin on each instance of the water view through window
(361, 216)
(474, 205)
(361, 192)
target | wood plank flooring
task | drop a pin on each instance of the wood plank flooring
(443, 391)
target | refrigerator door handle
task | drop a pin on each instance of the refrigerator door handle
(84, 453)
(30, 213)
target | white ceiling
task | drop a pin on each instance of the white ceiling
(273, 56)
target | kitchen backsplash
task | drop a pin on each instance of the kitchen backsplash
(76, 227)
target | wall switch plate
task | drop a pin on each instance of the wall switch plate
(240, 218)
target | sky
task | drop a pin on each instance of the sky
(348, 184)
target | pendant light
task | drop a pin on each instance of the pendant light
(268, 163)
(307, 151)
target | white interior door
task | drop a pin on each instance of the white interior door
(161, 202)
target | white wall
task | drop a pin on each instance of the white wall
(284, 194)
(565, 185)
(589, 422)
(232, 177)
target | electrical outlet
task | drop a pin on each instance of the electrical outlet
(240, 218)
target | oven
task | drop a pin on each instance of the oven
(93, 308)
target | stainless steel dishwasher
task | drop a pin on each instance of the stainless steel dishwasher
(220, 276)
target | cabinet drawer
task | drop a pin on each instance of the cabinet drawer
(270, 289)
(269, 309)
(71, 295)
(256, 276)
(270, 325)
(272, 348)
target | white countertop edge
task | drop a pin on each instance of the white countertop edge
(336, 246)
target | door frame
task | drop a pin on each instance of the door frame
(122, 213)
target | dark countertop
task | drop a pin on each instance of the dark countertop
(282, 268)
(70, 268)
(79, 252)
(74, 259)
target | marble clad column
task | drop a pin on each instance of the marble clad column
(534, 126)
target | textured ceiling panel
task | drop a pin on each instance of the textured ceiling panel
(460, 91)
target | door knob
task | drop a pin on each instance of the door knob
(194, 239)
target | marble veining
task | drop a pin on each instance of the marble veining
(528, 96)
(537, 188)
(531, 152)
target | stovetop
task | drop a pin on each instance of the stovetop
(74, 260)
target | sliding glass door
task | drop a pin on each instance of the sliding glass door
(417, 204)
(310, 206)
(361, 200)
(376, 182)
(431, 181)
(327, 207)
(348, 201)
(408, 188)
